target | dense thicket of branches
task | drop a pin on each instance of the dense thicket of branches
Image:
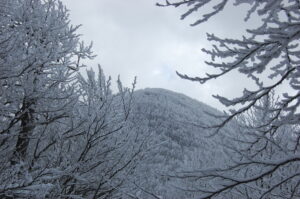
(266, 157)
(66, 135)
(61, 135)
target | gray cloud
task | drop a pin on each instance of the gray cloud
(136, 38)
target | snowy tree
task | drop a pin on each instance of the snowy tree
(38, 44)
(102, 151)
(252, 170)
(38, 51)
(61, 135)
(269, 56)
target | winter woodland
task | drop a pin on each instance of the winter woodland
(64, 132)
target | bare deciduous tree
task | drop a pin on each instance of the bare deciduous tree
(269, 56)
(61, 135)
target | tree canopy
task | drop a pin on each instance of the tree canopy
(269, 56)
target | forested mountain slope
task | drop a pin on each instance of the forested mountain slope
(170, 124)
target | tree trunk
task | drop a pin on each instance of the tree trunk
(27, 125)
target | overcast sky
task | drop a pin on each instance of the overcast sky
(136, 38)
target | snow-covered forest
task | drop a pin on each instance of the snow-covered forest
(65, 133)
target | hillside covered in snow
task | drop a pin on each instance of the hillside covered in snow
(171, 123)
